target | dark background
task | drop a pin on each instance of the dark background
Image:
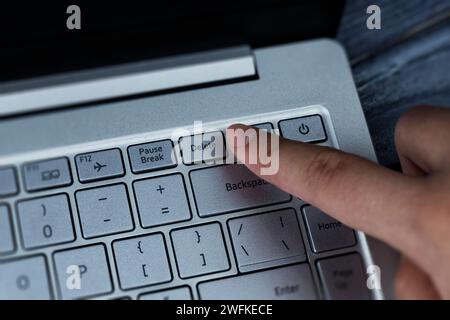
(404, 64)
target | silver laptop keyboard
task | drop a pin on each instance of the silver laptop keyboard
(135, 222)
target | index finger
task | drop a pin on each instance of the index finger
(354, 190)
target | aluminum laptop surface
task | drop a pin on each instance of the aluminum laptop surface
(98, 198)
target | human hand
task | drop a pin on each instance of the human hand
(409, 210)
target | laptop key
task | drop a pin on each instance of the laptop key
(200, 250)
(8, 183)
(230, 188)
(25, 279)
(304, 129)
(343, 278)
(45, 221)
(142, 261)
(6, 234)
(47, 174)
(267, 126)
(152, 156)
(104, 210)
(287, 283)
(83, 272)
(99, 165)
(162, 200)
(326, 233)
(181, 293)
(267, 240)
(203, 148)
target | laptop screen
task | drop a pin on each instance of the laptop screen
(36, 40)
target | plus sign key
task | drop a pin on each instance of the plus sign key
(162, 200)
(99, 165)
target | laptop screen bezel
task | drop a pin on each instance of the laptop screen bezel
(36, 41)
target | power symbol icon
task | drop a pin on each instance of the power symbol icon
(303, 129)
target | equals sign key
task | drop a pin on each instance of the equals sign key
(165, 210)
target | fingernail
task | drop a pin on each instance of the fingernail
(240, 134)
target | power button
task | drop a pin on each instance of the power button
(304, 129)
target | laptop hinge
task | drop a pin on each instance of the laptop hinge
(151, 76)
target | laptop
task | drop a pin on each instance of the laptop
(106, 191)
